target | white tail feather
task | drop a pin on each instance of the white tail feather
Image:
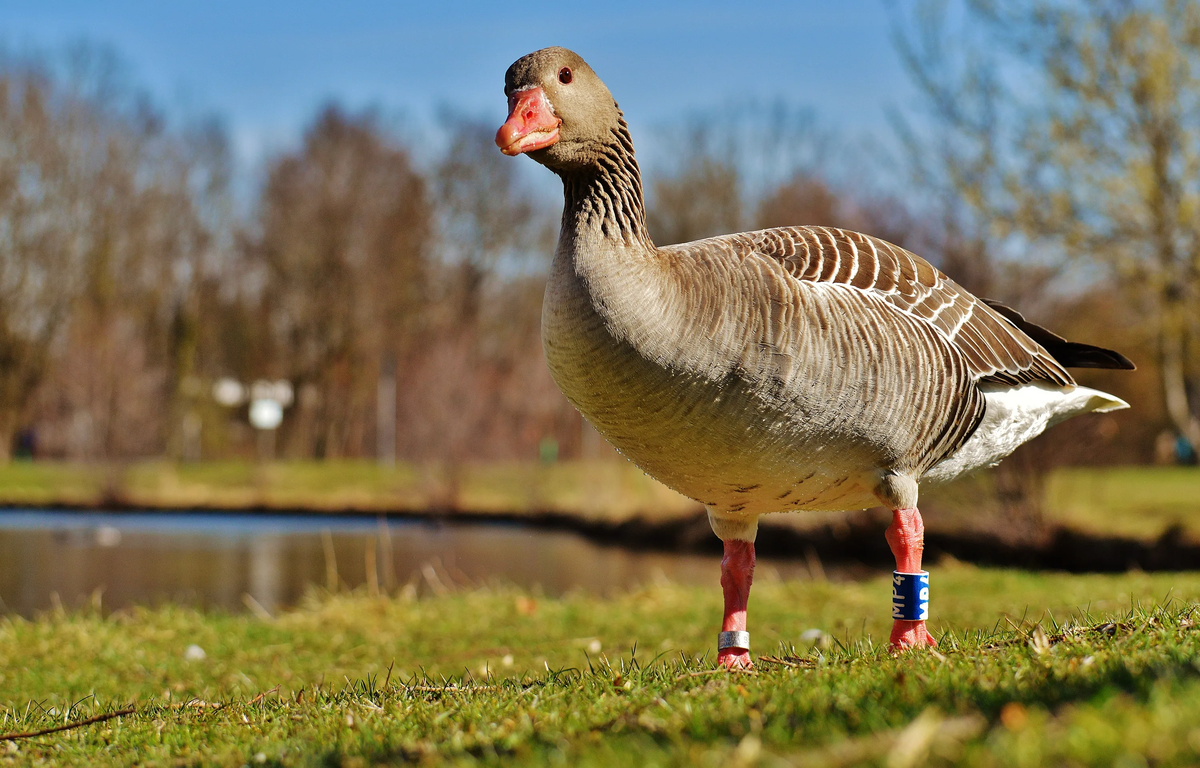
(1016, 415)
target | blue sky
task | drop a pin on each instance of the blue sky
(265, 67)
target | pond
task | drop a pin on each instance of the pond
(264, 562)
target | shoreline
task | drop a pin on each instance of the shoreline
(857, 539)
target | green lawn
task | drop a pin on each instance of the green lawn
(499, 676)
(612, 490)
(1130, 501)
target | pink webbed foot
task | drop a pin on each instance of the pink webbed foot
(735, 658)
(910, 634)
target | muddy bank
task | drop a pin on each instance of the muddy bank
(857, 540)
(862, 541)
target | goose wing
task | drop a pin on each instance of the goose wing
(994, 348)
(890, 349)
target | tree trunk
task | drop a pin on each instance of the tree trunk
(8, 428)
(1172, 361)
(183, 340)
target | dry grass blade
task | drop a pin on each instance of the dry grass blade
(451, 688)
(263, 695)
(701, 673)
(1038, 640)
(66, 726)
(256, 607)
(790, 661)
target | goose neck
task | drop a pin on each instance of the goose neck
(605, 199)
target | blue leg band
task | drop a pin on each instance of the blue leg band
(910, 596)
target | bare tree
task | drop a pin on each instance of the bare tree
(344, 230)
(480, 385)
(807, 199)
(40, 227)
(1074, 127)
(486, 215)
(753, 163)
(700, 195)
(97, 210)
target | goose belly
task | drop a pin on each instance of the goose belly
(720, 442)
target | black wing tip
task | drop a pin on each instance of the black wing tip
(1075, 355)
(1068, 354)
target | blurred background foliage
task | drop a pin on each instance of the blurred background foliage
(1051, 163)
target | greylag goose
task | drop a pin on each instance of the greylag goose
(801, 368)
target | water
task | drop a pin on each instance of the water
(265, 562)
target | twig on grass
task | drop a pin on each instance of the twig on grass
(701, 673)
(194, 703)
(451, 688)
(66, 726)
(263, 695)
(716, 671)
(795, 662)
(1108, 629)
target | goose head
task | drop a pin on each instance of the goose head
(559, 112)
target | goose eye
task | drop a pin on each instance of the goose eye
(564, 75)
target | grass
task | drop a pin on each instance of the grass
(610, 490)
(1033, 669)
(1140, 502)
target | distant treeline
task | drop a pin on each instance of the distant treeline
(130, 282)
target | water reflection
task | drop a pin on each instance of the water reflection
(217, 560)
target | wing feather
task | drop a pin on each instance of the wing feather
(871, 306)
(994, 348)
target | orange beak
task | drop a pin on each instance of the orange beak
(531, 123)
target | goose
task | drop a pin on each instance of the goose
(792, 369)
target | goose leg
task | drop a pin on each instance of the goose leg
(737, 573)
(906, 537)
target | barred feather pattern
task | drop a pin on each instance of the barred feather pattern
(994, 348)
(609, 199)
(796, 368)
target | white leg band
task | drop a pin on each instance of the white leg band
(739, 640)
